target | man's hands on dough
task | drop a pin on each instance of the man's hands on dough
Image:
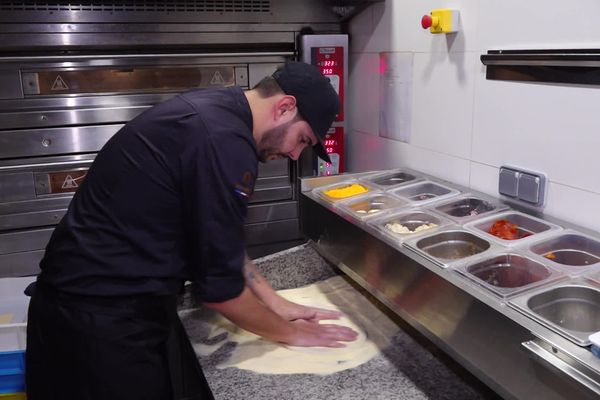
(310, 333)
(291, 311)
(259, 309)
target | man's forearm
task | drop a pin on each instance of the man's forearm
(286, 309)
(248, 313)
(259, 285)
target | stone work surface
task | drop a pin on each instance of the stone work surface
(409, 368)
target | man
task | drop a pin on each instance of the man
(165, 202)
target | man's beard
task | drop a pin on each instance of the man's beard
(271, 142)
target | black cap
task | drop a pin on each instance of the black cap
(316, 99)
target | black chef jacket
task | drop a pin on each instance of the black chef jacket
(163, 202)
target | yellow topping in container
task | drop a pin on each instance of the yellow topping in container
(346, 191)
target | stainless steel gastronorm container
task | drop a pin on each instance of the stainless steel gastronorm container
(424, 192)
(450, 246)
(528, 228)
(414, 221)
(569, 251)
(467, 208)
(371, 205)
(508, 273)
(393, 179)
(572, 309)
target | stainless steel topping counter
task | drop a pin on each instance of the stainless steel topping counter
(514, 354)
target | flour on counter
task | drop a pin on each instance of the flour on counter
(266, 357)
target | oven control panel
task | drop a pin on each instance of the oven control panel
(329, 53)
(330, 61)
(334, 145)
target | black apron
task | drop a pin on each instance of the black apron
(95, 348)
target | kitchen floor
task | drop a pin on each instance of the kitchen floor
(410, 368)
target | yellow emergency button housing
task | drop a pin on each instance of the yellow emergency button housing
(443, 20)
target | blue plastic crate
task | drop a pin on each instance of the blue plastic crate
(12, 371)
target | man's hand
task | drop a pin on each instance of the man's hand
(324, 335)
(259, 309)
(291, 311)
(249, 313)
(285, 309)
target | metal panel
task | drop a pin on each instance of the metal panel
(131, 79)
(150, 57)
(69, 117)
(20, 264)
(111, 41)
(46, 27)
(19, 241)
(9, 82)
(279, 11)
(15, 187)
(54, 141)
(29, 104)
(270, 189)
(241, 76)
(270, 248)
(274, 168)
(139, 6)
(46, 163)
(36, 218)
(269, 232)
(259, 71)
(272, 212)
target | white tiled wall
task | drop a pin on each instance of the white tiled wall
(465, 127)
(364, 75)
(443, 107)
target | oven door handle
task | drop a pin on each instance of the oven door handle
(66, 164)
(540, 354)
(150, 56)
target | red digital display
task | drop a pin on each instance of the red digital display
(334, 144)
(330, 61)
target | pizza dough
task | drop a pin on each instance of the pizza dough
(262, 356)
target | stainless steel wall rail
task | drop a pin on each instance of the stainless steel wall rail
(573, 66)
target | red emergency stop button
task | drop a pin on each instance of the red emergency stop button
(426, 21)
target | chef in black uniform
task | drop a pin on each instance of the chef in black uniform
(165, 202)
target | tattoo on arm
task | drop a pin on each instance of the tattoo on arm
(252, 276)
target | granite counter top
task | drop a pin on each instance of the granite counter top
(409, 368)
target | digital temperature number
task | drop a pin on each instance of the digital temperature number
(327, 71)
(328, 63)
(330, 142)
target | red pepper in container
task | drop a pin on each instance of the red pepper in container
(505, 230)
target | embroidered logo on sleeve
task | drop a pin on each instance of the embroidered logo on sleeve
(246, 187)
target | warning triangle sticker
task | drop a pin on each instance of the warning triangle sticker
(217, 79)
(59, 84)
(69, 183)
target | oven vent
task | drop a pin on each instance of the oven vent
(217, 6)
